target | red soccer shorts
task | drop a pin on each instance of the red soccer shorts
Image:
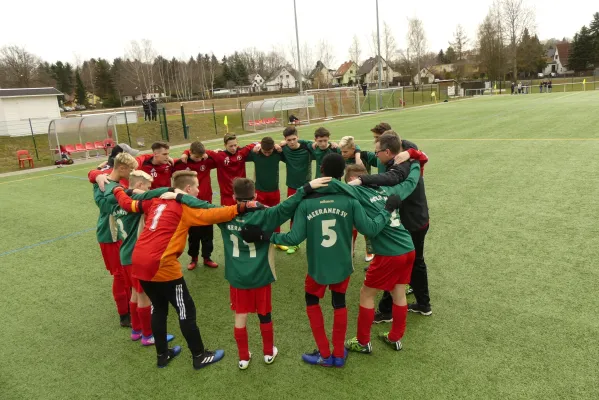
(245, 301)
(269, 199)
(227, 200)
(111, 255)
(130, 280)
(387, 271)
(290, 192)
(318, 290)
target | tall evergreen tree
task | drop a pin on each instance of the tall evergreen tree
(450, 55)
(241, 72)
(63, 75)
(594, 31)
(441, 57)
(80, 93)
(581, 56)
(104, 84)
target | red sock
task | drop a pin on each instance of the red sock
(398, 327)
(135, 321)
(241, 337)
(119, 292)
(365, 319)
(339, 331)
(317, 325)
(145, 317)
(267, 338)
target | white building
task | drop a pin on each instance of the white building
(19, 107)
(369, 71)
(285, 78)
(557, 59)
(426, 76)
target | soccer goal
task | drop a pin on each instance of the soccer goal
(334, 103)
(383, 99)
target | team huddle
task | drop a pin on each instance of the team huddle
(151, 206)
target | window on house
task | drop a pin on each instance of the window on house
(287, 76)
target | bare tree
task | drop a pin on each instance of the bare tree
(406, 63)
(18, 67)
(389, 46)
(460, 42)
(139, 61)
(516, 17)
(326, 54)
(306, 58)
(417, 42)
(355, 51)
(491, 45)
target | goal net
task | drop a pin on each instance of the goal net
(382, 99)
(334, 103)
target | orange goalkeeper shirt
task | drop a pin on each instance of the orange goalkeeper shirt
(155, 257)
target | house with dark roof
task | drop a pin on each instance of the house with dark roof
(369, 71)
(320, 76)
(557, 59)
(24, 109)
(346, 74)
(283, 78)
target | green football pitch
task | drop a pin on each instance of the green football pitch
(512, 255)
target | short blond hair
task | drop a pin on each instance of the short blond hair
(347, 141)
(139, 176)
(125, 159)
(181, 179)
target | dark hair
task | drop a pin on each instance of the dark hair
(229, 137)
(381, 128)
(184, 178)
(322, 132)
(197, 148)
(267, 143)
(391, 142)
(333, 165)
(290, 131)
(355, 170)
(160, 145)
(243, 189)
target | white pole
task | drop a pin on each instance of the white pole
(299, 64)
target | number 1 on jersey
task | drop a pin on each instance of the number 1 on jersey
(235, 241)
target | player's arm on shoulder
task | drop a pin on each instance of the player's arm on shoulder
(405, 188)
(202, 217)
(396, 174)
(193, 202)
(298, 233)
(364, 224)
(126, 202)
(151, 194)
(246, 150)
(94, 174)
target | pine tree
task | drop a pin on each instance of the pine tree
(80, 94)
(594, 31)
(105, 85)
(441, 59)
(241, 72)
(450, 55)
(581, 56)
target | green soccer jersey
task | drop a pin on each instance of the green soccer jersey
(299, 164)
(106, 230)
(319, 154)
(252, 265)
(367, 157)
(394, 239)
(327, 221)
(267, 170)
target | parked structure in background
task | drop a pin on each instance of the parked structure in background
(557, 60)
(346, 74)
(25, 110)
(321, 77)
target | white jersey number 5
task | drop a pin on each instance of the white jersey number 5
(329, 233)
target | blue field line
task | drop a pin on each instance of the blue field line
(56, 239)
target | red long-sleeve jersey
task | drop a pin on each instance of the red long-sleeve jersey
(228, 167)
(420, 156)
(160, 173)
(203, 168)
(93, 174)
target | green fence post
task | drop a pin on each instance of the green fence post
(241, 112)
(185, 133)
(325, 106)
(127, 124)
(165, 125)
(214, 118)
(369, 108)
(33, 138)
(340, 104)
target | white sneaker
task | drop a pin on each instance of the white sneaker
(271, 359)
(369, 257)
(244, 364)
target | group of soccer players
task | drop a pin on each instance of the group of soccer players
(151, 204)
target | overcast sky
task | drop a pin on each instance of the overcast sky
(49, 29)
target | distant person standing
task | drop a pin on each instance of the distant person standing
(541, 86)
(364, 88)
(519, 87)
(154, 108)
(550, 86)
(146, 106)
(513, 87)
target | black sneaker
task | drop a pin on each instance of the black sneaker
(126, 321)
(164, 359)
(207, 357)
(380, 317)
(417, 308)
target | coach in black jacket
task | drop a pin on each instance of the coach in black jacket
(414, 216)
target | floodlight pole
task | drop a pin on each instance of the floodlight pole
(299, 68)
(378, 41)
